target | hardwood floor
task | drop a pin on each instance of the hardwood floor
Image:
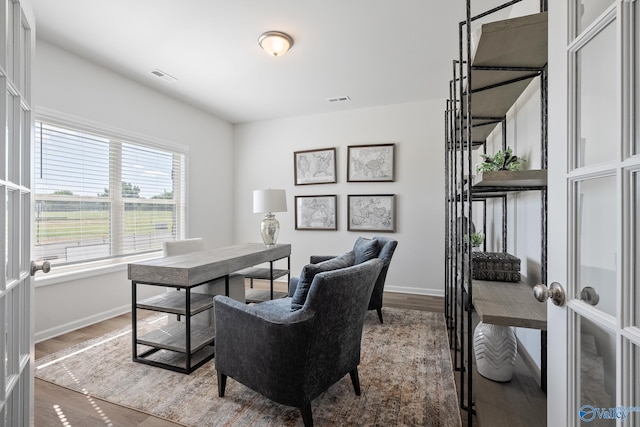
(57, 406)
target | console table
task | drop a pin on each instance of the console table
(190, 346)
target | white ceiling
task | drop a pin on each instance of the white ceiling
(377, 52)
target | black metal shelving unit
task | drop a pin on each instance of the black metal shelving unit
(481, 92)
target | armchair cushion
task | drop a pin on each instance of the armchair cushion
(365, 249)
(309, 271)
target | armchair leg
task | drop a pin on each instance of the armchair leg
(379, 310)
(355, 379)
(222, 383)
(307, 418)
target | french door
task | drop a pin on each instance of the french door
(16, 345)
(594, 214)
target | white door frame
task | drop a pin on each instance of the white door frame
(563, 399)
(557, 365)
(16, 294)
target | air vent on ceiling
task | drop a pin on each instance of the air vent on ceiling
(339, 99)
(164, 76)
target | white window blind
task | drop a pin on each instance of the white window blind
(98, 197)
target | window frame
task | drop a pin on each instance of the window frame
(116, 263)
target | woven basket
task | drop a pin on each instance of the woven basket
(498, 266)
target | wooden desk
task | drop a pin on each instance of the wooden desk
(193, 342)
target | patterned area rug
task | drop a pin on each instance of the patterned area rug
(405, 375)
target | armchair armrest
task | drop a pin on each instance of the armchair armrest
(263, 349)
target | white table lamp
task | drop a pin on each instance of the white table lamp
(268, 202)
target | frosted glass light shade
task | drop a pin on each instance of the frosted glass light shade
(275, 43)
(269, 201)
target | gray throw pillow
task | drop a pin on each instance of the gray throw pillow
(365, 249)
(309, 271)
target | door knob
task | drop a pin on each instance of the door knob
(589, 295)
(45, 267)
(555, 292)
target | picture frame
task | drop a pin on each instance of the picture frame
(371, 212)
(316, 212)
(371, 163)
(314, 166)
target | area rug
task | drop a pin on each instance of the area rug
(405, 375)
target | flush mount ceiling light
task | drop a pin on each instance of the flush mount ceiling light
(275, 43)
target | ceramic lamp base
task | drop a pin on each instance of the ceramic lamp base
(269, 229)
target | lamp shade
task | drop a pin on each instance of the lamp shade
(269, 201)
(275, 43)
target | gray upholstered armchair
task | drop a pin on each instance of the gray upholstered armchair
(289, 354)
(364, 249)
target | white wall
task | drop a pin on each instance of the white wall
(264, 159)
(74, 87)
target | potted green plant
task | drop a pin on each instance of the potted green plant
(501, 161)
(477, 238)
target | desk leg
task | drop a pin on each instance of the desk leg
(543, 360)
(288, 274)
(187, 318)
(134, 321)
(271, 276)
(226, 285)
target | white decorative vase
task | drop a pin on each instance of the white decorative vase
(495, 348)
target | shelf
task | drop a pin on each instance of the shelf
(500, 183)
(173, 337)
(174, 302)
(263, 273)
(261, 295)
(508, 304)
(175, 361)
(517, 179)
(511, 43)
(493, 71)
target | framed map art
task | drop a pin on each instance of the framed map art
(370, 163)
(316, 212)
(371, 212)
(315, 166)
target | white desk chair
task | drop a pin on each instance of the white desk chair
(181, 247)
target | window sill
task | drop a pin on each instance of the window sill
(66, 274)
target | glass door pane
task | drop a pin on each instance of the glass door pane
(10, 34)
(596, 79)
(633, 389)
(588, 11)
(596, 359)
(636, 80)
(24, 59)
(13, 152)
(635, 242)
(596, 239)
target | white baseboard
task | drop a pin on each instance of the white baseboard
(416, 291)
(80, 323)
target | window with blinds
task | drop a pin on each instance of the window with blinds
(98, 197)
